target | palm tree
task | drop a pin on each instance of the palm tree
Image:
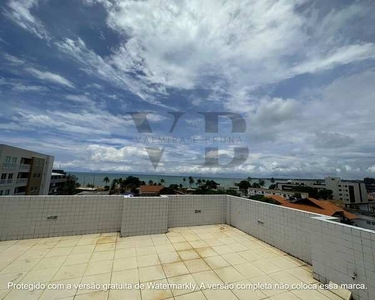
(150, 182)
(184, 180)
(261, 182)
(199, 181)
(106, 180)
(180, 185)
(162, 181)
(272, 180)
(191, 180)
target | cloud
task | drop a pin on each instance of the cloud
(19, 11)
(332, 140)
(51, 77)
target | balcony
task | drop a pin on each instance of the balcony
(9, 166)
(195, 239)
(22, 181)
(6, 181)
(24, 167)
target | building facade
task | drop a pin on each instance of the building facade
(24, 172)
(267, 193)
(58, 179)
(348, 191)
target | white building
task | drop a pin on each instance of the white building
(266, 192)
(24, 172)
(348, 191)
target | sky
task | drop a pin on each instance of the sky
(301, 74)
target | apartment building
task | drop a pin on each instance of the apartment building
(267, 193)
(24, 172)
(348, 191)
(58, 179)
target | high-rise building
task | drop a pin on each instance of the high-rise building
(348, 191)
(24, 172)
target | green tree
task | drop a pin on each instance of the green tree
(325, 194)
(150, 182)
(244, 185)
(272, 187)
(191, 181)
(106, 180)
(162, 181)
(261, 182)
(70, 185)
(272, 180)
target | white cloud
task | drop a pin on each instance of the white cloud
(51, 77)
(19, 11)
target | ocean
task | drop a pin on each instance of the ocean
(97, 179)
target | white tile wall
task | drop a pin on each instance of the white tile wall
(25, 217)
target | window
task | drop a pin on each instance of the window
(4, 176)
(34, 175)
(10, 176)
(39, 175)
(1, 193)
(36, 188)
(8, 159)
(368, 222)
(7, 192)
(373, 223)
(32, 189)
(14, 160)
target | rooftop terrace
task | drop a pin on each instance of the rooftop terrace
(213, 254)
(198, 238)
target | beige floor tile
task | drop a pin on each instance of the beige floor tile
(59, 252)
(191, 237)
(192, 296)
(219, 294)
(266, 266)
(148, 260)
(169, 257)
(30, 254)
(206, 252)
(285, 277)
(76, 259)
(151, 273)
(216, 262)
(42, 275)
(186, 281)
(155, 293)
(124, 264)
(99, 279)
(309, 295)
(144, 243)
(124, 295)
(213, 242)
(66, 243)
(301, 274)
(238, 247)
(123, 253)
(206, 278)
(105, 247)
(283, 263)
(98, 295)
(222, 249)
(67, 272)
(23, 294)
(196, 265)
(83, 249)
(177, 239)
(87, 241)
(228, 241)
(102, 255)
(266, 280)
(234, 259)
(127, 276)
(21, 266)
(164, 248)
(250, 255)
(125, 245)
(175, 269)
(145, 250)
(10, 277)
(99, 267)
(248, 270)
(107, 239)
(182, 246)
(198, 244)
(188, 254)
(50, 262)
(56, 292)
(229, 274)
(244, 291)
(285, 296)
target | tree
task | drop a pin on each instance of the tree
(191, 181)
(162, 181)
(272, 180)
(249, 179)
(261, 182)
(244, 185)
(106, 180)
(199, 182)
(325, 194)
(180, 185)
(272, 187)
(150, 182)
(256, 185)
(70, 185)
(184, 180)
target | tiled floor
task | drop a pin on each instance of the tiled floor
(202, 254)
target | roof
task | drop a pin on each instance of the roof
(151, 188)
(312, 205)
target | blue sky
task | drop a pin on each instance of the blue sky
(301, 74)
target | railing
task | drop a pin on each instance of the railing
(5, 181)
(22, 181)
(9, 166)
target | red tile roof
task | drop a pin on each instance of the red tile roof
(312, 205)
(151, 188)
